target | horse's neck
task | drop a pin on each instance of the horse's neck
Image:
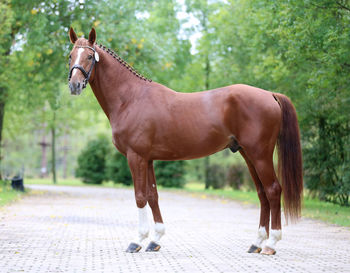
(114, 85)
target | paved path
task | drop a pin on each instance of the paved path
(87, 229)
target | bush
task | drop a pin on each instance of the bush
(170, 173)
(235, 176)
(92, 161)
(118, 169)
(216, 176)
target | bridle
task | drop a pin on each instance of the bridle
(78, 66)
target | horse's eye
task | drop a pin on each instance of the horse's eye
(70, 56)
(90, 57)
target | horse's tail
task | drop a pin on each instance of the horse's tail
(290, 159)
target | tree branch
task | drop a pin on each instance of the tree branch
(343, 6)
(340, 5)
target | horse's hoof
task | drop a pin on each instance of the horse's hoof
(268, 251)
(254, 249)
(153, 247)
(133, 248)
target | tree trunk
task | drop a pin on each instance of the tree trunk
(2, 114)
(206, 174)
(43, 144)
(65, 155)
(53, 149)
(207, 160)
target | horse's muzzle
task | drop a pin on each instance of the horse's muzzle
(75, 88)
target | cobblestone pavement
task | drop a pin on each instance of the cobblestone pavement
(87, 229)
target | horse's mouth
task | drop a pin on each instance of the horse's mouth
(76, 88)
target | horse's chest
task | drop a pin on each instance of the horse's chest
(123, 139)
(119, 141)
(118, 144)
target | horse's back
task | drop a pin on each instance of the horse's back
(187, 121)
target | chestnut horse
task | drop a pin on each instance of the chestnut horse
(152, 122)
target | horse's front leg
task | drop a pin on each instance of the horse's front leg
(139, 168)
(152, 197)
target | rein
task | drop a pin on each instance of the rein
(78, 66)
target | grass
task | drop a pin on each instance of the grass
(312, 208)
(8, 195)
(48, 181)
(68, 182)
(242, 196)
(327, 212)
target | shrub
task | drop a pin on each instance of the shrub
(170, 173)
(216, 176)
(235, 176)
(118, 169)
(92, 161)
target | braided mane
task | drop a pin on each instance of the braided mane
(122, 62)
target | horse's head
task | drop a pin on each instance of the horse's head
(82, 60)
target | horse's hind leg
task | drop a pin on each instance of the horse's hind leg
(266, 173)
(264, 223)
(152, 197)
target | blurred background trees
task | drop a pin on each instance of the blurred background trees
(300, 49)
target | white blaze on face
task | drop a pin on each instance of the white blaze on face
(77, 60)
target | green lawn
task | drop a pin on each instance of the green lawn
(48, 181)
(312, 208)
(7, 194)
(327, 212)
(68, 182)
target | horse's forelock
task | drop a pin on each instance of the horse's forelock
(82, 42)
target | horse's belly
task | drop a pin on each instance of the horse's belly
(184, 148)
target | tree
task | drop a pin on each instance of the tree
(33, 42)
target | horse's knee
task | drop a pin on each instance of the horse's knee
(141, 200)
(273, 192)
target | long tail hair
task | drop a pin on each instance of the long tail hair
(290, 166)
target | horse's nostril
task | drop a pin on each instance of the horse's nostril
(78, 85)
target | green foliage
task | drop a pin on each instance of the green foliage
(327, 162)
(236, 175)
(170, 173)
(216, 176)
(92, 161)
(118, 169)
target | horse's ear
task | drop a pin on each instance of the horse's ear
(72, 36)
(92, 36)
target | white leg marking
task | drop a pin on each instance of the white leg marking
(77, 60)
(262, 236)
(159, 231)
(143, 225)
(275, 236)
